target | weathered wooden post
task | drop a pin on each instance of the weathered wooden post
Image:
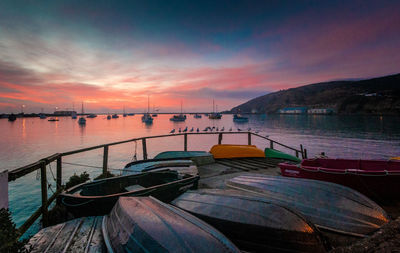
(302, 151)
(220, 138)
(43, 181)
(144, 148)
(59, 172)
(305, 153)
(297, 153)
(105, 160)
(185, 142)
(271, 144)
(249, 138)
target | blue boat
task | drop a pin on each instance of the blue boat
(240, 119)
(144, 224)
(329, 206)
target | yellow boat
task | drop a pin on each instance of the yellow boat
(395, 158)
(236, 151)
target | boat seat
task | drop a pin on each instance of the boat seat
(134, 187)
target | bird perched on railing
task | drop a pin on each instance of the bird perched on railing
(172, 131)
(191, 130)
(180, 130)
(185, 130)
(222, 129)
(198, 130)
(230, 129)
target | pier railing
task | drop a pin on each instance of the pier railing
(42, 164)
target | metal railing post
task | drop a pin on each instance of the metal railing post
(59, 172)
(105, 160)
(297, 154)
(43, 181)
(185, 142)
(144, 148)
(271, 144)
(219, 138)
(249, 138)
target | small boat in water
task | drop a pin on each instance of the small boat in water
(82, 121)
(178, 118)
(78, 235)
(147, 119)
(12, 117)
(108, 116)
(115, 116)
(329, 206)
(91, 116)
(252, 223)
(98, 197)
(235, 151)
(144, 224)
(377, 179)
(53, 119)
(240, 119)
(197, 116)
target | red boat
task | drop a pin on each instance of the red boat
(377, 179)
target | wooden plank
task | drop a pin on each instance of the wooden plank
(232, 165)
(22, 171)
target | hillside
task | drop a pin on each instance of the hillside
(372, 96)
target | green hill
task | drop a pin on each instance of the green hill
(372, 96)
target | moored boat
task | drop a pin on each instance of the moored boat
(53, 119)
(115, 116)
(273, 153)
(240, 119)
(146, 118)
(12, 117)
(252, 223)
(78, 235)
(178, 118)
(377, 179)
(329, 206)
(235, 151)
(99, 196)
(144, 224)
(197, 116)
(91, 116)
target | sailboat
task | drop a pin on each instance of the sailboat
(154, 112)
(124, 114)
(42, 115)
(214, 115)
(73, 113)
(146, 118)
(82, 120)
(179, 117)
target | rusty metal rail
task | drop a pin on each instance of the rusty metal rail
(42, 164)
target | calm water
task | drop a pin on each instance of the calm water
(29, 139)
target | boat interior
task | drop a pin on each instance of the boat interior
(127, 183)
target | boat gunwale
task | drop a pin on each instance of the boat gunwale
(122, 194)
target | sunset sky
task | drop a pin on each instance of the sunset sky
(111, 54)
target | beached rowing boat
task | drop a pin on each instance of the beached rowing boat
(377, 179)
(252, 223)
(144, 224)
(235, 151)
(98, 197)
(329, 206)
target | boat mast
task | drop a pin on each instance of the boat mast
(82, 107)
(148, 103)
(181, 106)
(213, 106)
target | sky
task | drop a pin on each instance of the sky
(115, 54)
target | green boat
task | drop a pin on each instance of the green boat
(273, 153)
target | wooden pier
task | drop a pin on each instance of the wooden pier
(58, 157)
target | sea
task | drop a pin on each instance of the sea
(27, 140)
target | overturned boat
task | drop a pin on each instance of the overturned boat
(98, 197)
(181, 165)
(377, 179)
(329, 206)
(253, 223)
(144, 224)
